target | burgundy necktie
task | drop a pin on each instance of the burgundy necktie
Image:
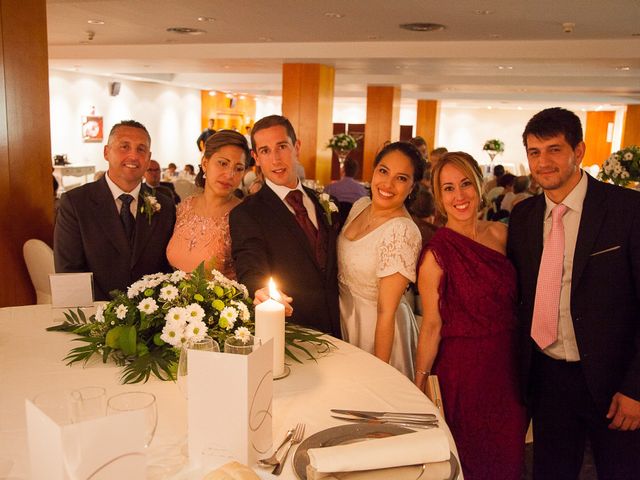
(544, 327)
(294, 198)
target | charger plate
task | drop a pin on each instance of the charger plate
(345, 434)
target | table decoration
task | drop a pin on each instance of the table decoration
(342, 144)
(493, 147)
(270, 325)
(622, 167)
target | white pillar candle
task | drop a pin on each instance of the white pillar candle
(270, 325)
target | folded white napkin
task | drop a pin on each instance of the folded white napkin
(408, 449)
(433, 471)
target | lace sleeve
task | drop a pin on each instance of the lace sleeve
(398, 249)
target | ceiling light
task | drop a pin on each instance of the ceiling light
(333, 15)
(242, 97)
(519, 108)
(212, 93)
(623, 68)
(265, 39)
(206, 19)
(505, 67)
(483, 12)
(229, 95)
(95, 22)
(373, 37)
(186, 31)
(422, 27)
(567, 27)
(495, 35)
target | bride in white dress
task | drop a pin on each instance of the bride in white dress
(377, 253)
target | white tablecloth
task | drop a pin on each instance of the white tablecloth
(31, 362)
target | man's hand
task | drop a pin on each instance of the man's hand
(262, 295)
(625, 412)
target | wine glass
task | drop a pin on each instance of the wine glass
(238, 346)
(130, 401)
(87, 403)
(206, 344)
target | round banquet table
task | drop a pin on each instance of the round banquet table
(31, 362)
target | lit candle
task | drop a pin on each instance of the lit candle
(270, 324)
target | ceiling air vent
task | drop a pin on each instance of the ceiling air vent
(422, 27)
(186, 31)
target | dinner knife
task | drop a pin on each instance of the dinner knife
(381, 415)
(403, 423)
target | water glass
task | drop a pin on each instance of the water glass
(55, 404)
(130, 401)
(206, 344)
(87, 403)
(235, 345)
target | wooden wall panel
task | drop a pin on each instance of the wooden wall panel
(383, 116)
(26, 185)
(227, 112)
(427, 121)
(307, 101)
(631, 128)
(598, 146)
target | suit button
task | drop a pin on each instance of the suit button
(577, 319)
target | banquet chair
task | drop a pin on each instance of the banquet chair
(39, 259)
(185, 188)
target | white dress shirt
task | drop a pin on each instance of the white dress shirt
(566, 347)
(116, 191)
(282, 191)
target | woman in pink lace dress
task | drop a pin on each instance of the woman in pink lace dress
(467, 338)
(202, 224)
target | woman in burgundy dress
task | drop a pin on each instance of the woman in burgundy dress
(467, 338)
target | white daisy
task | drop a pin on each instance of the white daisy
(243, 310)
(168, 293)
(176, 314)
(194, 313)
(177, 276)
(243, 334)
(628, 156)
(121, 311)
(148, 306)
(172, 333)
(195, 331)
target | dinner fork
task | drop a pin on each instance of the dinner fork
(273, 459)
(298, 435)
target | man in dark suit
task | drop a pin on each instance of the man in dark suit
(283, 232)
(152, 179)
(110, 227)
(577, 253)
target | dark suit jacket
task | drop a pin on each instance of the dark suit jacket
(89, 237)
(267, 241)
(605, 286)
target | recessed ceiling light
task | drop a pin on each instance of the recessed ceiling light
(489, 107)
(495, 35)
(505, 67)
(373, 37)
(265, 39)
(186, 31)
(206, 19)
(519, 108)
(212, 93)
(422, 27)
(623, 68)
(95, 22)
(483, 12)
(333, 15)
(242, 97)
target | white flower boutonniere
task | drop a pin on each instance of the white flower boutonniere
(328, 206)
(150, 205)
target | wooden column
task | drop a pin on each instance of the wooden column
(307, 101)
(383, 123)
(427, 120)
(631, 128)
(26, 185)
(595, 136)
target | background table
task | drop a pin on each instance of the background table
(31, 362)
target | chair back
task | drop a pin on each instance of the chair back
(39, 259)
(185, 188)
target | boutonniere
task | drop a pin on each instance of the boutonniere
(328, 206)
(150, 205)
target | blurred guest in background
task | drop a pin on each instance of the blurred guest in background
(520, 192)
(202, 233)
(206, 133)
(152, 179)
(347, 190)
(189, 173)
(421, 144)
(171, 173)
(436, 154)
(498, 171)
(423, 212)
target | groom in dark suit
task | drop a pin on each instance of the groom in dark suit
(577, 252)
(110, 227)
(283, 232)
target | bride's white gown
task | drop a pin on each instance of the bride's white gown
(391, 248)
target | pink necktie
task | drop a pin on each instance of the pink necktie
(544, 328)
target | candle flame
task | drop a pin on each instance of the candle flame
(273, 291)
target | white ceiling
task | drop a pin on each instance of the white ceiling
(517, 52)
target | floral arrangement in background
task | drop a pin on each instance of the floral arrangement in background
(342, 141)
(622, 167)
(494, 145)
(143, 329)
(150, 205)
(328, 206)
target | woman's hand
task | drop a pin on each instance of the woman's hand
(262, 295)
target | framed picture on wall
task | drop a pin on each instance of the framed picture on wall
(92, 129)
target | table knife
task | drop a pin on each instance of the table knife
(404, 423)
(381, 415)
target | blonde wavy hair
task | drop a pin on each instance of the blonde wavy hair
(467, 165)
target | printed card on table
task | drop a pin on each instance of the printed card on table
(230, 405)
(70, 290)
(105, 447)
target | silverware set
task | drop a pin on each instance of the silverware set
(293, 437)
(410, 420)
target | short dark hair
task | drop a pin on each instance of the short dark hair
(521, 184)
(498, 170)
(424, 204)
(130, 124)
(351, 167)
(215, 142)
(554, 121)
(506, 180)
(412, 153)
(272, 121)
(418, 141)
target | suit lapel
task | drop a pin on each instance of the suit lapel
(144, 228)
(536, 232)
(593, 213)
(107, 217)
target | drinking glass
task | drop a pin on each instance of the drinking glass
(237, 346)
(55, 404)
(87, 403)
(207, 344)
(129, 401)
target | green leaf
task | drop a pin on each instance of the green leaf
(127, 340)
(157, 340)
(113, 337)
(198, 297)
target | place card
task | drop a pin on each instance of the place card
(107, 447)
(70, 290)
(230, 405)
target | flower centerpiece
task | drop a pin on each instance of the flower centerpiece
(342, 144)
(143, 329)
(622, 167)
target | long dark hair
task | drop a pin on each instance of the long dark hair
(413, 154)
(215, 142)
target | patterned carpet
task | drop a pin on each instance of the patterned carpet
(588, 471)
